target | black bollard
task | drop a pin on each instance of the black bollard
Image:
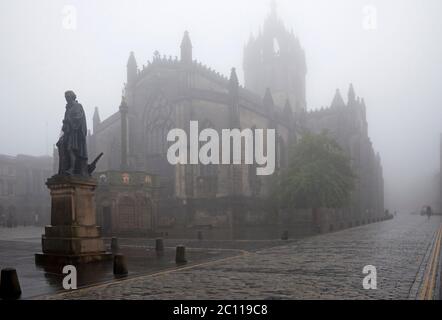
(114, 245)
(120, 265)
(180, 254)
(159, 245)
(9, 284)
(200, 235)
(285, 235)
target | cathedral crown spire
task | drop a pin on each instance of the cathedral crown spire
(273, 7)
(275, 59)
(186, 48)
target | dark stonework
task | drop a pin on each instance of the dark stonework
(168, 93)
(73, 236)
(127, 203)
(72, 149)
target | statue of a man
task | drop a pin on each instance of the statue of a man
(72, 147)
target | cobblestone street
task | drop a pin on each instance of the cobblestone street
(323, 267)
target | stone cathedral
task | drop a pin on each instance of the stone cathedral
(141, 192)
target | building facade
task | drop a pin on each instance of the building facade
(127, 203)
(274, 59)
(24, 198)
(347, 123)
(168, 93)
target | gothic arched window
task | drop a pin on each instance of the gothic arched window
(158, 124)
(158, 121)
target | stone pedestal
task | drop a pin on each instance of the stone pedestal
(73, 236)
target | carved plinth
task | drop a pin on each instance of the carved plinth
(73, 236)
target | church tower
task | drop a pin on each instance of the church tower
(274, 59)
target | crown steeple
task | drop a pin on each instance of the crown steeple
(275, 59)
(273, 8)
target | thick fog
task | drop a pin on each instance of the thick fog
(396, 65)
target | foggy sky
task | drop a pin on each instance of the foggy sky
(397, 68)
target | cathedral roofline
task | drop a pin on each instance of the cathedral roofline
(168, 62)
(108, 121)
(196, 66)
(338, 101)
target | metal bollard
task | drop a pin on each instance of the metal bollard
(114, 245)
(159, 245)
(180, 256)
(9, 284)
(120, 265)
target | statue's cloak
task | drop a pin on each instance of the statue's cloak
(75, 129)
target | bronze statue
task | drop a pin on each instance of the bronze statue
(72, 148)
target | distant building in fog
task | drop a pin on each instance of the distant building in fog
(24, 198)
(274, 59)
(347, 123)
(169, 92)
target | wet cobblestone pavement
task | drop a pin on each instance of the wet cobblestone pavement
(18, 246)
(323, 267)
